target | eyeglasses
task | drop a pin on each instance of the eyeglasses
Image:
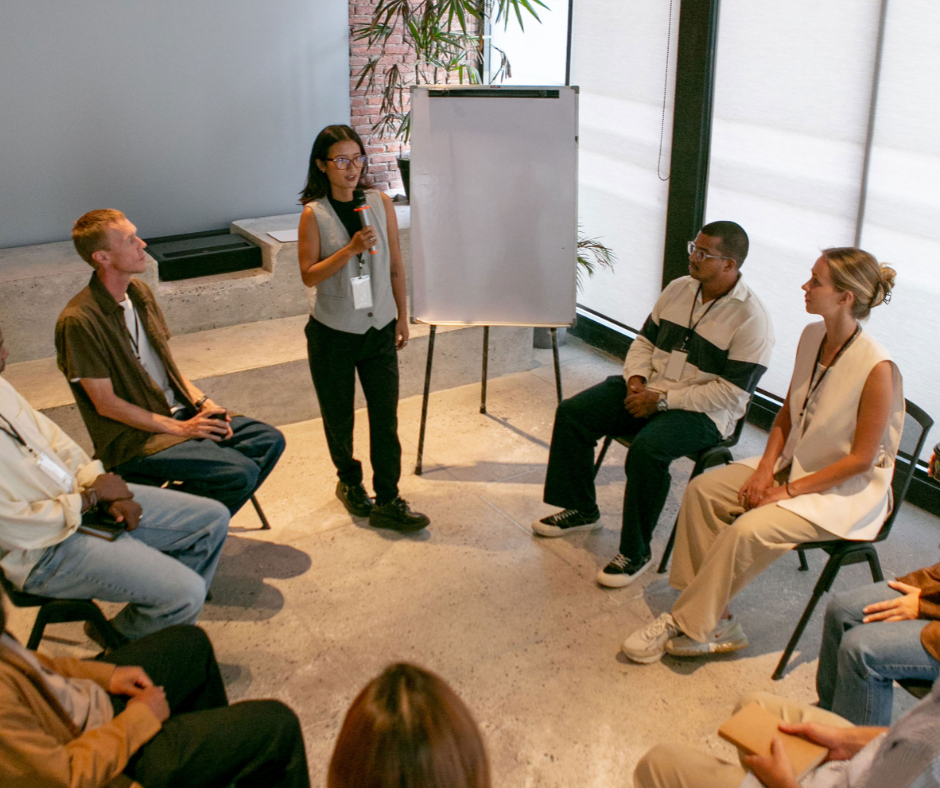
(342, 162)
(700, 255)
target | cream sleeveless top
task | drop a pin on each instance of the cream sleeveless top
(857, 508)
(331, 301)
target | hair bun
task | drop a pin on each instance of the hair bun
(884, 286)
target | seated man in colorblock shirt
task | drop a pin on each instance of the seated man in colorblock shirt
(686, 381)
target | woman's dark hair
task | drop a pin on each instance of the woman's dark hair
(408, 729)
(3, 612)
(318, 185)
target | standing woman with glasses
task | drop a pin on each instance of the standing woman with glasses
(358, 320)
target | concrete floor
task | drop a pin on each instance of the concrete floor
(311, 610)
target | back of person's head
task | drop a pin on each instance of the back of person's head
(408, 729)
(90, 232)
(318, 185)
(857, 272)
(734, 241)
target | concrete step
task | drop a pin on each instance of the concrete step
(260, 369)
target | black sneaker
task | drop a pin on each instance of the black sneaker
(355, 499)
(396, 516)
(622, 571)
(567, 522)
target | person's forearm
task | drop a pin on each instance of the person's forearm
(831, 476)
(132, 415)
(777, 439)
(322, 270)
(399, 291)
(194, 392)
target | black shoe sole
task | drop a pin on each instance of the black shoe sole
(363, 511)
(379, 521)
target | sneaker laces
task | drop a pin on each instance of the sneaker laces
(563, 517)
(660, 625)
(619, 561)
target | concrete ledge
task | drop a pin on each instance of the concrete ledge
(36, 282)
(260, 369)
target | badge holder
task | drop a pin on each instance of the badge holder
(361, 289)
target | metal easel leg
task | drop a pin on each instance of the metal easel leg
(486, 361)
(424, 405)
(557, 365)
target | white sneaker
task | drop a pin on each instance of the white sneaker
(648, 645)
(727, 636)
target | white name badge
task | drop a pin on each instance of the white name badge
(362, 292)
(675, 365)
(54, 471)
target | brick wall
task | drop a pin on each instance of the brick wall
(383, 170)
(365, 106)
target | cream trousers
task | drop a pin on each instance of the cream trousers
(720, 548)
(678, 766)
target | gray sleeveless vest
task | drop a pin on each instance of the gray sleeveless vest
(331, 302)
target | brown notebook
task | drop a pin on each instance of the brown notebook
(752, 728)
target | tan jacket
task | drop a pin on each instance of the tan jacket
(40, 746)
(928, 581)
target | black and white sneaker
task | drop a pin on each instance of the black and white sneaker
(622, 571)
(355, 498)
(396, 516)
(567, 522)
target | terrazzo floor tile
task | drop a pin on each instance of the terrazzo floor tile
(311, 610)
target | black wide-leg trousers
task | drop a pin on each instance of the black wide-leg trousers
(335, 357)
(206, 743)
(655, 442)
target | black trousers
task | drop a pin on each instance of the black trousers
(656, 441)
(206, 742)
(335, 358)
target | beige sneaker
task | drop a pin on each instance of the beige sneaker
(726, 637)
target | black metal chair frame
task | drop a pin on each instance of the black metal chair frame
(59, 611)
(719, 454)
(843, 552)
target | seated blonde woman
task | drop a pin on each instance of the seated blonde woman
(825, 474)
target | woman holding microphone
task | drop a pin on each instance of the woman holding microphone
(351, 263)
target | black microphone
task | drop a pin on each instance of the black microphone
(362, 208)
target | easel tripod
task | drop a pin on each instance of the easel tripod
(486, 358)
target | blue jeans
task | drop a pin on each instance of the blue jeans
(163, 568)
(229, 471)
(858, 662)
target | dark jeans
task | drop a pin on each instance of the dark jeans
(655, 442)
(206, 742)
(335, 357)
(228, 472)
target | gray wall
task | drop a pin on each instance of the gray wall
(185, 114)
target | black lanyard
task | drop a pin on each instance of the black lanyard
(135, 339)
(13, 432)
(812, 389)
(691, 329)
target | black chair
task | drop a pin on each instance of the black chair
(59, 611)
(919, 688)
(719, 454)
(843, 552)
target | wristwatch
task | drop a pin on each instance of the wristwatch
(201, 401)
(663, 405)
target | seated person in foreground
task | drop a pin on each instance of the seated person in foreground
(825, 474)
(686, 381)
(148, 422)
(907, 755)
(162, 565)
(875, 635)
(154, 712)
(408, 729)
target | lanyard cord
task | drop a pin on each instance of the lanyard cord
(12, 431)
(691, 329)
(812, 389)
(135, 338)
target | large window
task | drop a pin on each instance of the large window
(619, 60)
(793, 97)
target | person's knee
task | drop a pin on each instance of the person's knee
(654, 768)
(645, 449)
(276, 441)
(854, 650)
(189, 598)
